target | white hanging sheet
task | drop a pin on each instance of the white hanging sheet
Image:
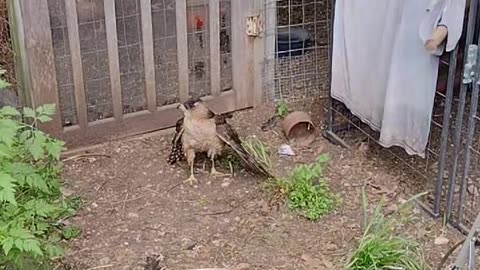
(381, 70)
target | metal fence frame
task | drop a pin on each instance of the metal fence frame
(446, 202)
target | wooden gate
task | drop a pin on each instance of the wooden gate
(73, 53)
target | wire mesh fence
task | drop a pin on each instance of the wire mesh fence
(297, 44)
(7, 96)
(449, 171)
(298, 37)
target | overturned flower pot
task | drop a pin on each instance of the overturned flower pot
(299, 128)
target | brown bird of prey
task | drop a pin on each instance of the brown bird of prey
(202, 131)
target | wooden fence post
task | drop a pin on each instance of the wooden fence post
(77, 65)
(37, 60)
(182, 49)
(148, 54)
(242, 53)
(214, 19)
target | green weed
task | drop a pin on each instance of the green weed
(71, 232)
(282, 108)
(307, 192)
(381, 247)
(30, 197)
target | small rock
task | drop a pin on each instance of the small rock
(402, 201)
(94, 205)
(132, 215)
(421, 233)
(225, 184)
(312, 263)
(66, 192)
(285, 150)
(441, 241)
(331, 246)
(237, 219)
(472, 189)
(104, 261)
(363, 147)
(242, 266)
(390, 209)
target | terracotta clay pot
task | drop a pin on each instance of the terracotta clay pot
(299, 128)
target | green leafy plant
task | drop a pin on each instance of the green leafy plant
(282, 108)
(307, 192)
(30, 197)
(381, 246)
(71, 232)
(259, 151)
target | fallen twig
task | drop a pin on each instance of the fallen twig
(128, 200)
(100, 267)
(85, 156)
(215, 213)
(173, 187)
(210, 269)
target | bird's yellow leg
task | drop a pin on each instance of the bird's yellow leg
(191, 161)
(214, 172)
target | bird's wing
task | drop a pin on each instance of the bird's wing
(230, 137)
(176, 153)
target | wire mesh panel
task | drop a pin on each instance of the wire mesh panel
(165, 51)
(297, 46)
(93, 48)
(63, 63)
(198, 47)
(225, 45)
(8, 96)
(129, 33)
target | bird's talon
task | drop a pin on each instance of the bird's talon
(215, 173)
(191, 180)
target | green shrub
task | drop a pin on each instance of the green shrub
(306, 191)
(30, 198)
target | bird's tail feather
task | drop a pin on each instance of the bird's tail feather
(176, 153)
(248, 159)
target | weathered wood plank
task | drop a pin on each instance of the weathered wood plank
(242, 53)
(77, 67)
(113, 61)
(214, 18)
(20, 58)
(41, 63)
(182, 49)
(259, 59)
(148, 54)
(270, 46)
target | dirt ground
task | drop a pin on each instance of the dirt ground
(136, 206)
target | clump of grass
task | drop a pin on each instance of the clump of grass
(71, 232)
(381, 247)
(259, 150)
(281, 108)
(229, 160)
(306, 191)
